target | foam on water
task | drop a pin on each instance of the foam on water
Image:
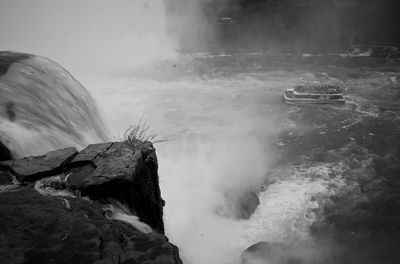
(219, 128)
(52, 186)
(25, 140)
(56, 186)
(14, 185)
(289, 206)
(219, 132)
(289, 209)
(117, 211)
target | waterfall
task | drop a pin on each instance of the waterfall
(86, 35)
(44, 108)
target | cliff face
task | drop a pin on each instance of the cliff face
(101, 205)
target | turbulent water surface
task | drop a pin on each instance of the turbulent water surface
(320, 172)
(238, 165)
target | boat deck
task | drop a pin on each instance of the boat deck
(292, 96)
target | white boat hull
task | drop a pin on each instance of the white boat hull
(294, 100)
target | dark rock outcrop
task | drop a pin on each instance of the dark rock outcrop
(52, 221)
(30, 169)
(241, 204)
(5, 153)
(124, 172)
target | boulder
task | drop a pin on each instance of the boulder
(240, 204)
(247, 204)
(123, 172)
(64, 216)
(30, 169)
(41, 229)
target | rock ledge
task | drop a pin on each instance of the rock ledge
(70, 217)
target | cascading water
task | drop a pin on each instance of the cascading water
(44, 107)
(222, 115)
(221, 138)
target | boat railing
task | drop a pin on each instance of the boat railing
(318, 89)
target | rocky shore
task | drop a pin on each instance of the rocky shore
(100, 205)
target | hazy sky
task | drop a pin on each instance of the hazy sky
(86, 33)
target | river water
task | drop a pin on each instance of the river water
(228, 133)
(324, 175)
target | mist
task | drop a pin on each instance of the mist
(88, 36)
(219, 147)
(289, 26)
(140, 60)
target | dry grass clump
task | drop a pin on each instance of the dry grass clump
(140, 133)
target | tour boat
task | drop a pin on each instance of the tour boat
(314, 94)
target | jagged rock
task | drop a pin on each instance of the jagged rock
(115, 161)
(122, 171)
(52, 225)
(30, 169)
(91, 152)
(39, 229)
(5, 177)
(5, 153)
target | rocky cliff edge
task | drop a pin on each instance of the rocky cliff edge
(100, 205)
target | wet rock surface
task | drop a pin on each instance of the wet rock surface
(124, 172)
(59, 224)
(30, 169)
(5, 153)
(241, 205)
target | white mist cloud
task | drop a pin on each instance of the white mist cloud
(194, 179)
(87, 35)
(218, 131)
(219, 128)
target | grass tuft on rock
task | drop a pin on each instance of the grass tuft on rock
(140, 132)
